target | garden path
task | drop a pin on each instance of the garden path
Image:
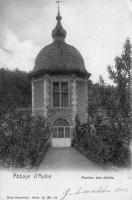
(67, 159)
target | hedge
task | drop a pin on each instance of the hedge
(24, 139)
(106, 147)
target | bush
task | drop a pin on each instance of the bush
(106, 146)
(88, 143)
(23, 139)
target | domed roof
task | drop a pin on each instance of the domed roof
(59, 56)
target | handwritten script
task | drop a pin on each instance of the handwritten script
(84, 191)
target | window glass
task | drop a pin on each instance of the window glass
(56, 87)
(54, 132)
(67, 132)
(56, 100)
(60, 94)
(64, 86)
(60, 132)
(64, 99)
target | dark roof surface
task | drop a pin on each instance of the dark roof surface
(59, 55)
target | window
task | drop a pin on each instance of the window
(56, 94)
(61, 129)
(60, 94)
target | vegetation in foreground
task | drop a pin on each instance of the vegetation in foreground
(24, 140)
(106, 146)
(110, 115)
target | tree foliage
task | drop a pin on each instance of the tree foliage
(24, 139)
(15, 90)
(112, 127)
(120, 74)
(102, 97)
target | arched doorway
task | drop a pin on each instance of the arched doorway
(61, 134)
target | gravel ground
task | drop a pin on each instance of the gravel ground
(67, 159)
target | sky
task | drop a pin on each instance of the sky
(97, 28)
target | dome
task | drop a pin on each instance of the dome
(59, 56)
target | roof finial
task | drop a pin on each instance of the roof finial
(59, 1)
(58, 15)
(59, 33)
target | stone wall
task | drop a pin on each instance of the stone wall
(38, 97)
(82, 100)
(78, 99)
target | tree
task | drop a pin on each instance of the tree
(102, 98)
(120, 74)
(15, 90)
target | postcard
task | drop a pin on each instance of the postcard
(65, 100)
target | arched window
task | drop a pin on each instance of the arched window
(61, 129)
(61, 122)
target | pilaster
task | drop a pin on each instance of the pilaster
(74, 100)
(46, 97)
(33, 98)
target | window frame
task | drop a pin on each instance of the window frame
(60, 94)
(65, 135)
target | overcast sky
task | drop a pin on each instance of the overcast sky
(97, 28)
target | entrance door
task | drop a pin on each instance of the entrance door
(61, 136)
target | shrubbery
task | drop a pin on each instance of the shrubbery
(24, 139)
(108, 146)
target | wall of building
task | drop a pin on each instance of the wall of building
(78, 99)
(38, 97)
(82, 100)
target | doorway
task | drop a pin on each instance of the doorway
(61, 133)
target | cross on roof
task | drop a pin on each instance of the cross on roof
(59, 1)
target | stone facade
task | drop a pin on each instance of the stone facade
(38, 97)
(78, 99)
(82, 100)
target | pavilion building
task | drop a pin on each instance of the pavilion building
(60, 87)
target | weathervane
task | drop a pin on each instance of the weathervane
(59, 1)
